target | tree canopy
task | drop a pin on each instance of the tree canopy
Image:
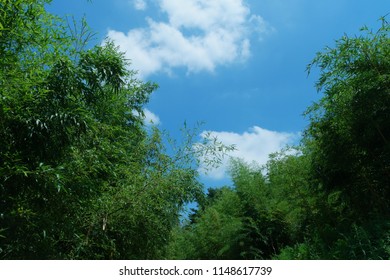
(81, 176)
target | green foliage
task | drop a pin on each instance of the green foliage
(329, 198)
(348, 139)
(349, 127)
(248, 221)
(214, 234)
(80, 175)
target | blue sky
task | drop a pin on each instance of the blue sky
(237, 65)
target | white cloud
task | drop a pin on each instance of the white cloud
(151, 118)
(140, 5)
(253, 146)
(198, 35)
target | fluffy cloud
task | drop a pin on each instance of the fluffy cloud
(253, 146)
(198, 35)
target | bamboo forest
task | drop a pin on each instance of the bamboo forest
(83, 177)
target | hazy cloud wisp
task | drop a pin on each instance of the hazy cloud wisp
(140, 5)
